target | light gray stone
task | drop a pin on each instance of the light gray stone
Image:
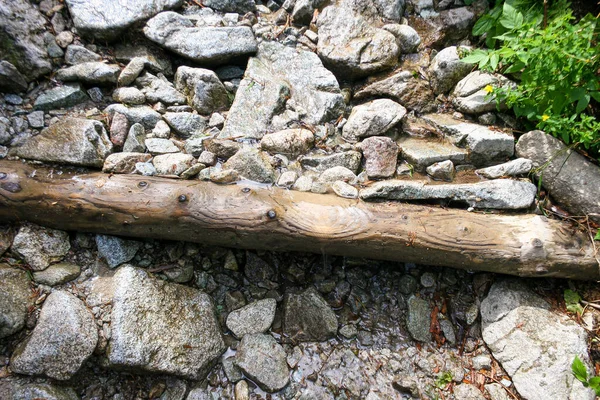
(124, 163)
(145, 169)
(520, 166)
(162, 327)
(252, 164)
(308, 317)
(57, 274)
(159, 90)
(64, 337)
(107, 19)
(39, 246)
(446, 70)
(135, 139)
(264, 361)
(303, 184)
(11, 80)
(255, 317)
(538, 355)
(372, 119)
(161, 130)
(381, 156)
(338, 173)
(36, 119)
(407, 38)
(442, 171)
(116, 251)
(497, 194)
(287, 179)
(203, 88)
(471, 97)
(78, 55)
(15, 299)
(139, 114)
(344, 190)
(173, 164)
(90, 72)
(207, 158)
(419, 319)
(349, 159)
(223, 148)
(131, 71)
(185, 124)
(64, 38)
(60, 97)
(281, 77)
(207, 45)
(572, 180)
(155, 59)
(129, 95)
(422, 152)
(467, 391)
(292, 142)
(70, 141)
(44, 391)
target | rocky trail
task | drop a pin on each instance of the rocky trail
(338, 158)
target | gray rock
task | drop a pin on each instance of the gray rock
(349, 159)
(344, 190)
(338, 173)
(96, 94)
(538, 355)
(173, 164)
(70, 141)
(419, 319)
(90, 72)
(207, 158)
(129, 95)
(279, 78)
(60, 97)
(255, 317)
(232, 6)
(195, 146)
(5, 131)
(308, 317)
(15, 299)
(135, 139)
(131, 71)
(422, 152)
(304, 10)
(116, 251)
(497, 194)
(485, 145)
(139, 114)
(46, 391)
(185, 124)
(407, 38)
(264, 361)
(145, 169)
(159, 90)
(354, 49)
(252, 164)
(520, 166)
(442, 171)
(203, 88)
(392, 10)
(124, 163)
(161, 130)
(349, 331)
(287, 179)
(496, 391)
(155, 59)
(107, 19)
(303, 184)
(206, 45)
(11, 80)
(372, 119)
(292, 142)
(39, 246)
(57, 274)
(78, 55)
(467, 391)
(471, 97)
(119, 128)
(64, 337)
(233, 373)
(447, 27)
(22, 43)
(36, 119)
(223, 148)
(147, 333)
(222, 176)
(571, 179)
(381, 156)
(446, 70)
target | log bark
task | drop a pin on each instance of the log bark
(257, 217)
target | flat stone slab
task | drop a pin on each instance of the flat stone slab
(162, 327)
(498, 194)
(422, 152)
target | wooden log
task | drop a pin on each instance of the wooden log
(254, 217)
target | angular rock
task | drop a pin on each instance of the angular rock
(90, 72)
(107, 19)
(308, 317)
(570, 178)
(207, 158)
(407, 38)
(119, 128)
(21, 39)
(206, 45)
(372, 119)
(139, 114)
(264, 361)
(231, 6)
(255, 317)
(160, 146)
(159, 90)
(131, 71)
(446, 70)
(537, 355)
(39, 246)
(381, 156)
(338, 173)
(252, 164)
(173, 164)
(145, 169)
(203, 88)
(442, 171)
(161, 130)
(304, 10)
(185, 124)
(223, 148)
(419, 319)
(155, 59)
(422, 152)
(349, 159)
(344, 190)
(498, 194)
(36, 119)
(69, 141)
(445, 28)
(116, 251)
(129, 95)
(520, 166)
(64, 337)
(60, 97)
(15, 299)
(124, 163)
(485, 145)
(279, 77)
(57, 274)
(11, 80)
(354, 49)
(292, 142)
(470, 94)
(79, 55)
(135, 139)
(162, 327)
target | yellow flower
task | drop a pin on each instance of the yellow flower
(545, 117)
(488, 89)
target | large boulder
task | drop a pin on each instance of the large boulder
(15, 299)
(162, 327)
(535, 345)
(39, 246)
(205, 44)
(21, 41)
(282, 85)
(64, 337)
(570, 178)
(107, 19)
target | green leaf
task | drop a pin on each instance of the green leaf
(596, 96)
(516, 67)
(579, 370)
(575, 309)
(597, 237)
(511, 18)
(594, 382)
(483, 25)
(475, 57)
(494, 59)
(571, 296)
(582, 103)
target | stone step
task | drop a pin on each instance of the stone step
(422, 152)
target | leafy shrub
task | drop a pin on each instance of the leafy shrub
(557, 67)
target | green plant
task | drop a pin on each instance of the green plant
(597, 237)
(572, 299)
(443, 380)
(580, 372)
